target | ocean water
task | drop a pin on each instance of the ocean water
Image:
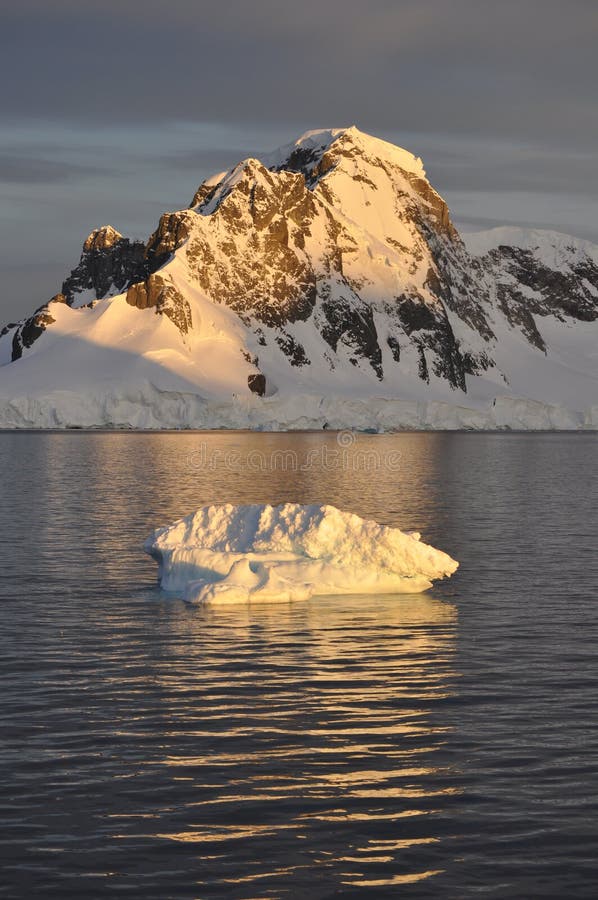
(434, 745)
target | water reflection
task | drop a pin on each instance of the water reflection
(302, 736)
(269, 742)
(361, 747)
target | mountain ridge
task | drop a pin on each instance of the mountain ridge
(329, 268)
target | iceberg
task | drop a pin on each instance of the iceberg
(231, 554)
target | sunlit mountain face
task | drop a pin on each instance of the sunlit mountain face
(317, 286)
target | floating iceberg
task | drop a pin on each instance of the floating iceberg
(227, 554)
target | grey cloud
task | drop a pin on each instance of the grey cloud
(518, 68)
(19, 169)
(569, 213)
(532, 176)
(193, 161)
(511, 168)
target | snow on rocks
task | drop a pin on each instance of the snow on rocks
(323, 287)
(228, 554)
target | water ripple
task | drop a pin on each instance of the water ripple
(433, 745)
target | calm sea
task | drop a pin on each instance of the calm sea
(440, 745)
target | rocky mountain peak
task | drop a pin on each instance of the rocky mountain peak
(329, 266)
(315, 155)
(172, 231)
(102, 238)
(108, 263)
(337, 161)
(315, 152)
(241, 179)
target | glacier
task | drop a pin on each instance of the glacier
(146, 407)
(262, 553)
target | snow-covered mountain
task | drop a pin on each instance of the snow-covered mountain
(324, 285)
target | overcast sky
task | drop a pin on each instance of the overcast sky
(114, 111)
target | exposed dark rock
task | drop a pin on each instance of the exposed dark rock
(292, 349)
(395, 347)
(429, 327)
(451, 280)
(171, 233)
(108, 264)
(416, 315)
(31, 329)
(102, 238)
(145, 294)
(265, 276)
(438, 211)
(301, 160)
(423, 365)
(28, 331)
(351, 323)
(516, 308)
(476, 363)
(257, 383)
(159, 293)
(8, 328)
(173, 304)
(203, 194)
(571, 292)
(250, 358)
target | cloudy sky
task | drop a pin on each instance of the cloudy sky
(113, 111)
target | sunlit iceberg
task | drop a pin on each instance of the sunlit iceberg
(227, 554)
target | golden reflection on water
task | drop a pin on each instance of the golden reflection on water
(163, 476)
(314, 727)
(298, 751)
(395, 879)
(298, 738)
